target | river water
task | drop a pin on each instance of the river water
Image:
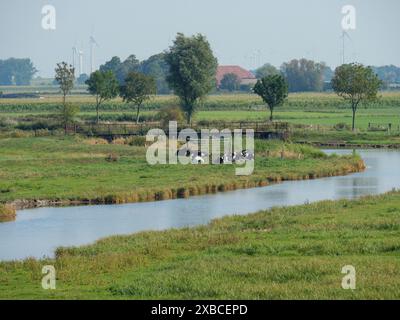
(37, 232)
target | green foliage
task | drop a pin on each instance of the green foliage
(170, 113)
(121, 69)
(16, 71)
(65, 76)
(82, 79)
(356, 84)
(104, 86)
(230, 82)
(304, 75)
(68, 114)
(266, 70)
(157, 67)
(192, 69)
(273, 90)
(138, 88)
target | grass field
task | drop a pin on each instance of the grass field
(284, 253)
(73, 168)
(306, 108)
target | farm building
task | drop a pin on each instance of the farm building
(245, 76)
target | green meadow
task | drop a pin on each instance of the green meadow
(90, 169)
(284, 253)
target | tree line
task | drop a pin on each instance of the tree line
(191, 74)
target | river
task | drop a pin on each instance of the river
(37, 232)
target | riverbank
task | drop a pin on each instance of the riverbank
(70, 171)
(284, 253)
(7, 212)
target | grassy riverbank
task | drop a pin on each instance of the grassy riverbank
(77, 169)
(294, 252)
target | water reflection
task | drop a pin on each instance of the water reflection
(38, 232)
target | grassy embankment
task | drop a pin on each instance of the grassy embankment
(284, 253)
(76, 169)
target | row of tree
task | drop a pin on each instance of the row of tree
(353, 82)
(191, 75)
(155, 67)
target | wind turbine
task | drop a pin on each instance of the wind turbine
(80, 53)
(74, 55)
(93, 43)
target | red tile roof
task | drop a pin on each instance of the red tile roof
(239, 71)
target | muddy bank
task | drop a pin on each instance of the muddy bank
(7, 212)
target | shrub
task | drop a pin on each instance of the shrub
(341, 126)
(171, 113)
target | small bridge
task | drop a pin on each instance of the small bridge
(109, 131)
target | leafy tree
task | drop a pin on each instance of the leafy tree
(138, 88)
(356, 84)
(68, 115)
(121, 69)
(304, 75)
(157, 67)
(16, 71)
(273, 90)
(65, 76)
(230, 82)
(82, 79)
(104, 86)
(113, 65)
(192, 69)
(266, 70)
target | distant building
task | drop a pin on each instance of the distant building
(245, 76)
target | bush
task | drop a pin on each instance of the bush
(342, 126)
(171, 113)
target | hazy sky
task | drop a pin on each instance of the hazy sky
(246, 32)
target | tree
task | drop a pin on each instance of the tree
(65, 76)
(273, 90)
(266, 70)
(121, 69)
(68, 115)
(104, 86)
(304, 75)
(16, 71)
(157, 67)
(230, 82)
(82, 79)
(192, 69)
(138, 88)
(356, 84)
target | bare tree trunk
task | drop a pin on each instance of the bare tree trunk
(353, 127)
(97, 110)
(65, 116)
(271, 117)
(137, 113)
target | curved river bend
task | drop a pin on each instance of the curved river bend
(37, 232)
